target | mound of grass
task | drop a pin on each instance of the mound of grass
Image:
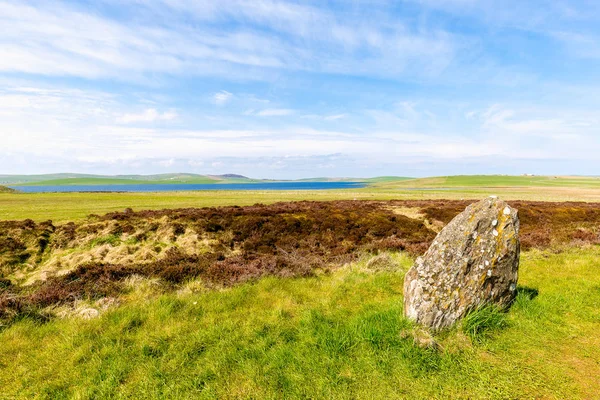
(4, 189)
(338, 335)
(480, 323)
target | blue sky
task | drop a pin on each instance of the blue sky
(292, 89)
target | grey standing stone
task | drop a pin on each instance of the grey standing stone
(473, 261)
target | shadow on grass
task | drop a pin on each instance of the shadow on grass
(481, 323)
(527, 292)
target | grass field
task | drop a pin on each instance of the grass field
(332, 336)
(64, 207)
(338, 333)
(497, 181)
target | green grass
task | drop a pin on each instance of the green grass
(113, 240)
(64, 207)
(332, 336)
(367, 180)
(479, 323)
(383, 179)
(4, 189)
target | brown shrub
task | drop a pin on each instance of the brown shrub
(245, 243)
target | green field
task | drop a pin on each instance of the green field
(337, 334)
(63, 207)
(496, 181)
(340, 335)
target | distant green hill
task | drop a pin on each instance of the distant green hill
(66, 179)
(472, 181)
(384, 182)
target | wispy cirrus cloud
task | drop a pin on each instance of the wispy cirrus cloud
(141, 84)
(148, 115)
(335, 117)
(56, 39)
(274, 112)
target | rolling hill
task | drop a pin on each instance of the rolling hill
(66, 179)
(492, 181)
(84, 179)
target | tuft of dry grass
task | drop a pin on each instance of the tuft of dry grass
(50, 265)
(336, 335)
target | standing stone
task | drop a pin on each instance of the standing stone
(473, 261)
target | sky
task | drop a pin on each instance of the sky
(296, 89)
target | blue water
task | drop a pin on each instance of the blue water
(187, 187)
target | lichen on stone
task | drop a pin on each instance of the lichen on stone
(473, 261)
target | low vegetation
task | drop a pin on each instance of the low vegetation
(65, 207)
(543, 224)
(57, 265)
(168, 303)
(335, 335)
(44, 265)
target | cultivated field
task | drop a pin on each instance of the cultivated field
(285, 300)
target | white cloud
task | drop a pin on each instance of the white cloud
(221, 98)
(275, 112)
(335, 117)
(148, 115)
(320, 117)
(496, 115)
(55, 39)
(153, 54)
(167, 163)
(54, 124)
